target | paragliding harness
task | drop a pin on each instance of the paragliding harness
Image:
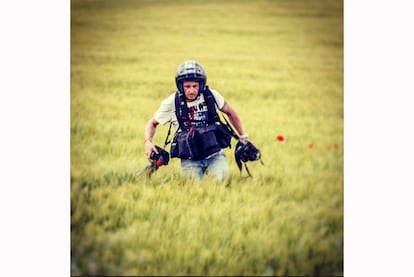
(198, 139)
(208, 137)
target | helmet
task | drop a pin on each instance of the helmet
(190, 71)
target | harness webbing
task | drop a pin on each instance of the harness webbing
(182, 111)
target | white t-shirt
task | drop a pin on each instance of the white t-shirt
(197, 108)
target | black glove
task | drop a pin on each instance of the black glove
(157, 159)
(245, 152)
(161, 158)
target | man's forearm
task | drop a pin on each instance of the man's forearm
(150, 129)
(235, 121)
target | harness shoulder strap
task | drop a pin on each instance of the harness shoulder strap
(181, 109)
(211, 106)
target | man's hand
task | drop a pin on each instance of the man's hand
(244, 138)
(149, 147)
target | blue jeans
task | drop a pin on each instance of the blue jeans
(214, 165)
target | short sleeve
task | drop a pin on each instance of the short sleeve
(166, 111)
(219, 98)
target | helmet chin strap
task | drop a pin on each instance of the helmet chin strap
(189, 100)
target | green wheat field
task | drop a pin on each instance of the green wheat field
(280, 65)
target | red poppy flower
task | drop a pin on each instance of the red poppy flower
(310, 145)
(280, 138)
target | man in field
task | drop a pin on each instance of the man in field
(200, 139)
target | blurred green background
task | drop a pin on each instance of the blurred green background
(280, 65)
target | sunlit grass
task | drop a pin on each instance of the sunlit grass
(280, 65)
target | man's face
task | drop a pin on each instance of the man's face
(191, 89)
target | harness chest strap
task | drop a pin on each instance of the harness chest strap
(182, 111)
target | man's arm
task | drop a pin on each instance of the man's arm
(150, 128)
(234, 120)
